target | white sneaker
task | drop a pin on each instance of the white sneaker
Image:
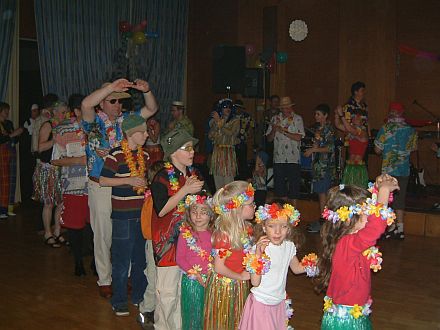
(11, 214)
(3, 216)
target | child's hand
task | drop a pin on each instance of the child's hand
(245, 276)
(261, 245)
(136, 181)
(192, 185)
(387, 182)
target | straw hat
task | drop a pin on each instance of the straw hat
(286, 102)
(116, 95)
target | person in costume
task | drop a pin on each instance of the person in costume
(224, 134)
(355, 219)
(352, 119)
(267, 306)
(125, 170)
(394, 142)
(47, 177)
(104, 132)
(70, 142)
(169, 188)
(194, 258)
(228, 284)
(180, 119)
(8, 161)
(241, 149)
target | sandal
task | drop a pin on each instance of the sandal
(61, 240)
(52, 242)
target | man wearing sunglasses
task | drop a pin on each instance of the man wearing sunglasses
(104, 132)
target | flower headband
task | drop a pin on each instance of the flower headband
(235, 201)
(274, 212)
(198, 199)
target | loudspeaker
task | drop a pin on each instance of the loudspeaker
(253, 83)
(228, 69)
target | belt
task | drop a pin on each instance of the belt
(94, 179)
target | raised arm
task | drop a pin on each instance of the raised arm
(150, 107)
(91, 101)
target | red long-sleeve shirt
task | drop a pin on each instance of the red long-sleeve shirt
(350, 281)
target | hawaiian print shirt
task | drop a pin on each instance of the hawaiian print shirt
(324, 162)
(396, 139)
(287, 150)
(102, 134)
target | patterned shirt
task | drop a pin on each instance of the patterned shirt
(324, 162)
(287, 150)
(126, 203)
(102, 134)
(396, 139)
(70, 141)
(246, 123)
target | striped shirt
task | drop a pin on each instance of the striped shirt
(126, 204)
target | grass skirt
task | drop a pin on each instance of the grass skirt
(47, 184)
(356, 174)
(332, 321)
(224, 161)
(193, 303)
(224, 302)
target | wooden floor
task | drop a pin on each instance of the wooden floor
(38, 289)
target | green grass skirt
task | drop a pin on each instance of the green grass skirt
(331, 321)
(355, 175)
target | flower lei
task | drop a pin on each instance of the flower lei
(370, 207)
(289, 311)
(341, 310)
(236, 201)
(191, 243)
(375, 257)
(174, 184)
(372, 188)
(274, 212)
(198, 199)
(110, 128)
(255, 265)
(310, 264)
(135, 170)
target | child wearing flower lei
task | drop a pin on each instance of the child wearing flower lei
(193, 256)
(174, 184)
(268, 263)
(138, 168)
(356, 220)
(227, 285)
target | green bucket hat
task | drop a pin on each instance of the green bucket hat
(174, 140)
(132, 124)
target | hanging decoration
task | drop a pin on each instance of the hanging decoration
(405, 49)
(298, 30)
(137, 33)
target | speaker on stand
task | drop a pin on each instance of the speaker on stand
(228, 69)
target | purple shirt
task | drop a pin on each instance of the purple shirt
(186, 258)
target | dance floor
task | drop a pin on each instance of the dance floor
(39, 291)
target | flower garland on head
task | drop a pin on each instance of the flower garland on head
(138, 169)
(375, 257)
(235, 201)
(198, 199)
(274, 212)
(310, 264)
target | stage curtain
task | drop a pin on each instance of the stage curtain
(80, 46)
(7, 25)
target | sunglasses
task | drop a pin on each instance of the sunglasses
(187, 148)
(113, 101)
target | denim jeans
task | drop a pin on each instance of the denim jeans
(128, 246)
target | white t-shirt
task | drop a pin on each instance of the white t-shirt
(272, 289)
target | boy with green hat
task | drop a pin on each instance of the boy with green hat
(169, 189)
(125, 170)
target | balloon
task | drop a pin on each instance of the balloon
(152, 34)
(250, 49)
(281, 57)
(127, 35)
(137, 28)
(139, 38)
(124, 26)
(144, 23)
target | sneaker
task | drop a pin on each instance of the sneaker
(11, 211)
(121, 311)
(3, 216)
(314, 227)
(105, 291)
(395, 234)
(146, 320)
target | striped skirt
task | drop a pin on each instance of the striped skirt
(224, 161)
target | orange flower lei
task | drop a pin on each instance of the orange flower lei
(138, 169)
